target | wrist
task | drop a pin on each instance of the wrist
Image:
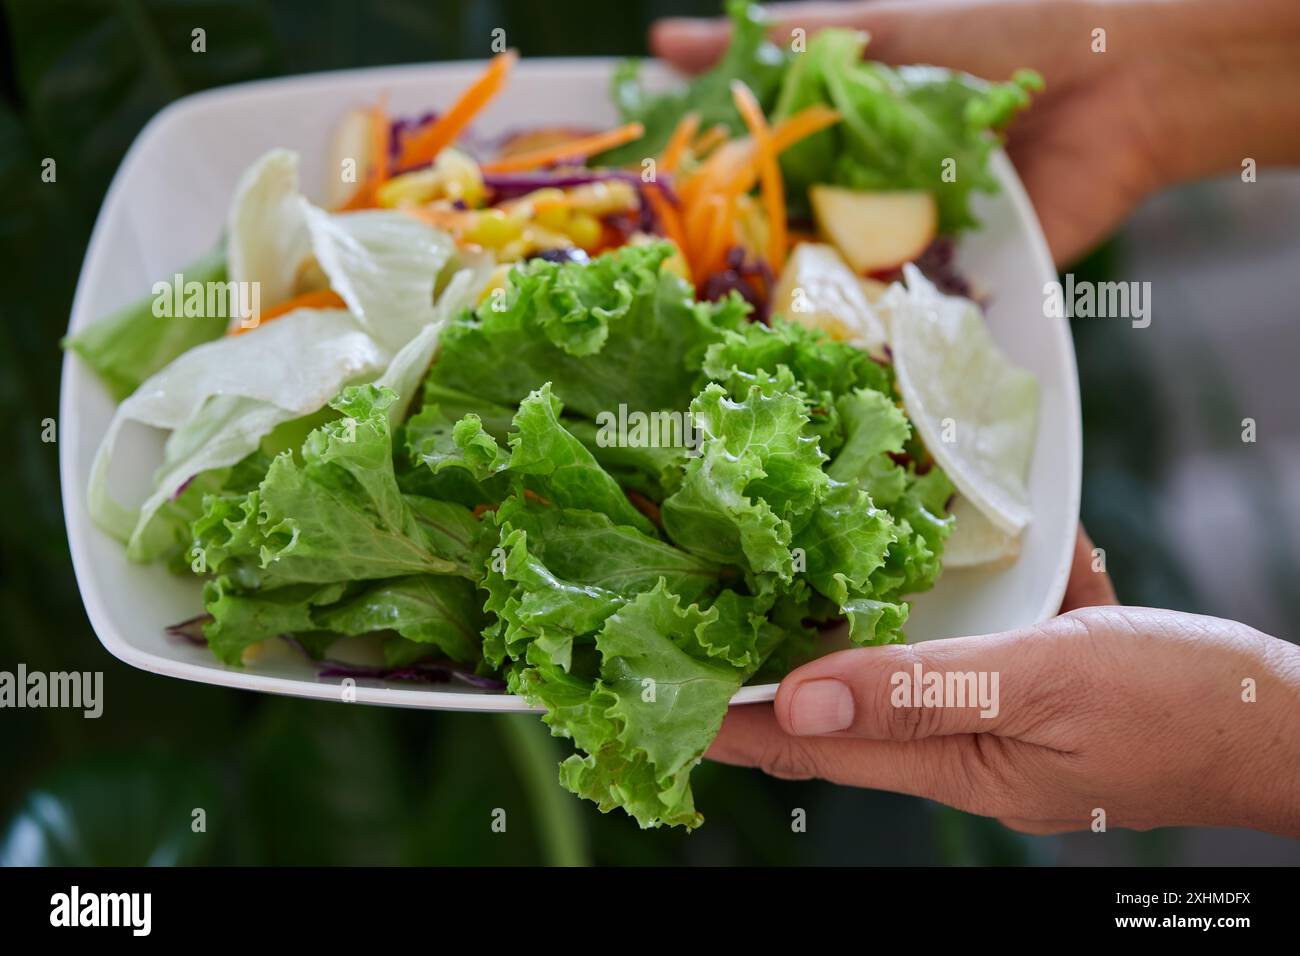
(1261, 783)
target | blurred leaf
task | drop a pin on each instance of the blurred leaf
(536, 756)
(472, 783)
(328, 34)
(92, 72)
(326, 785)
(116, 810)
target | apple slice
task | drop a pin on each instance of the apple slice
(351, 144)
(875, 231)
(818, 290)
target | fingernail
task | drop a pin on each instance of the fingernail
(821, 707)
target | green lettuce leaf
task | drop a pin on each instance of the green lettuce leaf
(592, 330)
(659, 709)
(750, 57)
(444, 613)
(571, 477)
(556, 573)
(899, 126)
(133, 343)
(240, 619)
(338, 515)
(758, 468)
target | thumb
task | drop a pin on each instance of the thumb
(997, 683)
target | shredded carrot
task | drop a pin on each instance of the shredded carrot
(696, 223)
(645, 505)
(736, 162)
(721, 211)
(423, 146)
(668, 217)
(711, 192)
(812, 119)
(320, 299)
(709, 140)
(574, 149)
(717, 172)
(769, 173)
(677, 143)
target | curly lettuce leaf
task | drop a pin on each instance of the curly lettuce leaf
(757, 469)
(644, 721)
(241, 619)
(569, 474)
(874, 427)
(593, 330)
(554, 574)
(439, 612)
(821, 365)
(899, 127)
(750, 57)
(336, 515)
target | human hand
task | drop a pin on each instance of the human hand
(1182, 90)
(1137, 712)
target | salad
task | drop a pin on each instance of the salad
(616, 420)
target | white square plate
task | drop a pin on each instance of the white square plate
(167, 205)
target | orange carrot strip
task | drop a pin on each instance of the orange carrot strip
(677, 143)
(668, 216)
(574, 149)
(731, 171)
(717, 172)
(320, 299)
(698, 224)
(769, 173)
(805, 123)
(423, 146)
(711, 138)
(722, 209)
(812, 119)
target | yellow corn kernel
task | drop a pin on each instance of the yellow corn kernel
(603, 198)
(495, 284)
(552, 215)
(537, 238)
(421, 186)
(585, 231)
(461, 177)
(514, 250)
(494, 229)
